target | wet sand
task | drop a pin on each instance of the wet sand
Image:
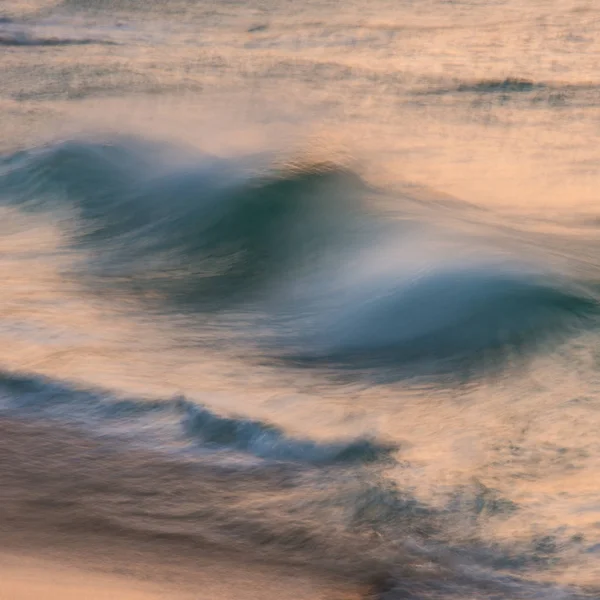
(23, 577)
(51, 549)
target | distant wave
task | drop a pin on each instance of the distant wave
(494, 86)
(510, 84)
(302, 247)
(198, 425)
(23, 39)
(20, 37)
(556, 93)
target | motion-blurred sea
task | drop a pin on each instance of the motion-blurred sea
(314, 283)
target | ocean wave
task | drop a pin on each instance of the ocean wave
(327, 276)
(267, 441)
(213, 230)
(200, 427)
(518, 89)
(509, 84)
(446, 316)
(20, 34)
(348, 519)
(22, 38)
(321, 504)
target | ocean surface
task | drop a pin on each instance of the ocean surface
(316, 283)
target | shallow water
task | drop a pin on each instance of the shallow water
(324, 279)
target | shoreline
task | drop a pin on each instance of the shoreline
(50, 544)
(26, 576)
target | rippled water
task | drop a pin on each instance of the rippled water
(319, 283)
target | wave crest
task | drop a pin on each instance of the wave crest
(447, 317)
(199, 426)
(302, 247)
(215, 230)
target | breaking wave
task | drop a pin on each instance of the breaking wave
(215, 230)
(190, 421)
(445, 317)
(306, 248)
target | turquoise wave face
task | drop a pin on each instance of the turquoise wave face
(210, 232)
